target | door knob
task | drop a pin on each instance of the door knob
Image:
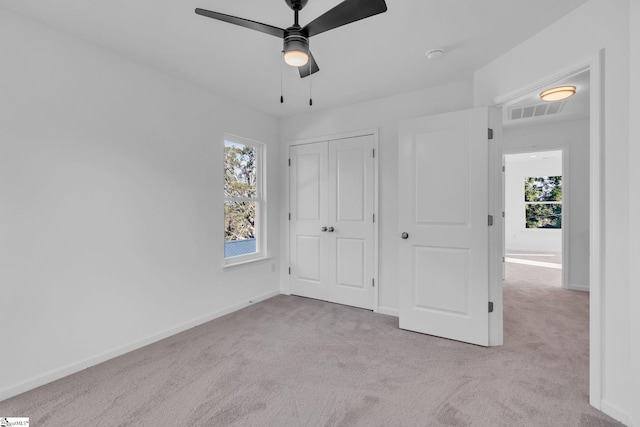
(323, 229)
(404, 235)
(330, 229)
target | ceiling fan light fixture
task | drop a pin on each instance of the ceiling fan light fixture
(296, 50)
(296, 58)
(558, 93)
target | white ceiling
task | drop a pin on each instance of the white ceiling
(372, 58)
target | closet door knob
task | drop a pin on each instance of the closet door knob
(404, 235)
(330, 229)
(323, 229)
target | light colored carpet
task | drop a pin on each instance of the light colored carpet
(291, 361)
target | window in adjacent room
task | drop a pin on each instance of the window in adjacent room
(244, 203)
(543, 202)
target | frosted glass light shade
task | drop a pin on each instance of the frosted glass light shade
(558, 93)
(296, 58)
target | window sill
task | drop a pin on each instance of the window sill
(232, 265)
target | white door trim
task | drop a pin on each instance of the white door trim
(285, 250)
(595, 64)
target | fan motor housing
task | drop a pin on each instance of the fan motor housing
(295, 40)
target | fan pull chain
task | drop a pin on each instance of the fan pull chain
(281, 65)
(310, 72)
(310, 98)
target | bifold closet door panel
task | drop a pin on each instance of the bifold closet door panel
(308, 209)
(350, 213)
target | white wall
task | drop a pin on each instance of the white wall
(517, 237)
(384, 114)
(634, 201)
(110, 215)
(573, 135)
(569, 41)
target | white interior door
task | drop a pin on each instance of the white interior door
(443, 195)
(331, 225)
(308, 203)
(350, 217)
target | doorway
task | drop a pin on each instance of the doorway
(589, 181)
(534, 218)
(554, 139)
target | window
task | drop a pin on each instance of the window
(244, 204)
(543, 202)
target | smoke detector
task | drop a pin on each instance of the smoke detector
(434, 54)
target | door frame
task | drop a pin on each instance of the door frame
(566, 196)
(595, 64)
(284, 246)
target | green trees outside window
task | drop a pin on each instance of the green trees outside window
(543, 202)
(243, 196)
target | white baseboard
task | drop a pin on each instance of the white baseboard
(575, 287)
(284, 291)
(615, 412)
(389, 311)
(72, 368)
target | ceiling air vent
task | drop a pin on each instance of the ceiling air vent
(538, 110)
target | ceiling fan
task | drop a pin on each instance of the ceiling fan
(296, 38)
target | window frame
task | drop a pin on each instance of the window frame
(545, 202)
(260, 200)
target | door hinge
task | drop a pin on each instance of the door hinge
(490, 133)
(289, 270)
(289, 162)
(503, 169)
(490, 220)
(490, 307)
(289, 216)
(374, 217)
(373, 283)
(374, 152)
(503, 260)
(502, 214)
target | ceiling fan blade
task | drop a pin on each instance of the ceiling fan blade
(258, 26)
(309, 68)
(345, 13)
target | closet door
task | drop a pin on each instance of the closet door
(308, 205)
(331, 227)
(350, 216)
